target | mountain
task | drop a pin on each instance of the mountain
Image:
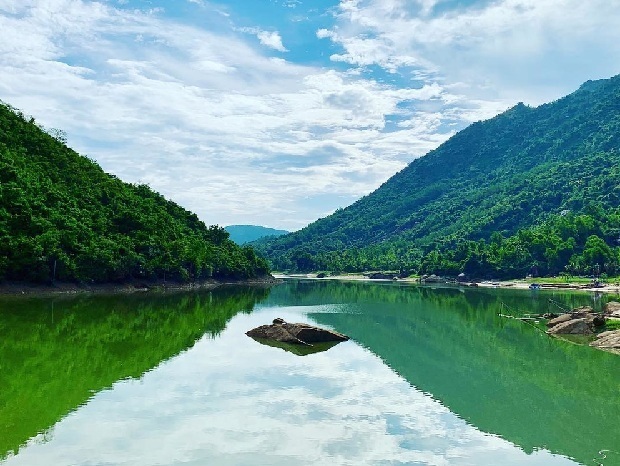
(528, 171)
(242, 234)
(63, 218)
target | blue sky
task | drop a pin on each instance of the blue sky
(277, 112)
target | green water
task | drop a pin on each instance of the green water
(431, 376)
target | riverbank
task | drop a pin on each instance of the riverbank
(515, 284)
(136, 286)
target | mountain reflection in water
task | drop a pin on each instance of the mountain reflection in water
(431, 376)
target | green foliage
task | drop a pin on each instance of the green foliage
(63, 218)
(533, 190)
(612, 325)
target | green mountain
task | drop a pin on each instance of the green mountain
(242, 234)
(63, 218)
(522, 191)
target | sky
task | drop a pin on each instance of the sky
(278, 112)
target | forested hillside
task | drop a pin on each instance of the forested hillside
(63, 218)
(533, 189)
(242, 234)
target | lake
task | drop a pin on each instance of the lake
(431, 376)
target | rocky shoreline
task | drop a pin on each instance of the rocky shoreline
(584, 321)
(515, 284)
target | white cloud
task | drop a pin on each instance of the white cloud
(271, 39)
(209, 119)
(236, 136)
(506, 50)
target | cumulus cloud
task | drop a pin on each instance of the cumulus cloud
(509, 49)
(271, 39)
(214, 121)
(204, 117)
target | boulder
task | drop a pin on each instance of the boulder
(597, 320)
(581, 312)
(381, 276)
(579, 326)
(608, 340)
(295, 333)
(559, 319)
(612, 308)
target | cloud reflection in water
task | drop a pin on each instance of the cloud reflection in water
(231, 401)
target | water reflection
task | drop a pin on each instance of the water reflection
(299, 350)
(230, 401)
(56, 353)
(431, 377)
(500, 375)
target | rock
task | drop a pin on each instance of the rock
(598, 320)
(558, 320)
(579, 326)
(275, 332)
(608, 340)
(581, 312)
(381, 276)
(612, 307)
(299, 350)
(303, 334)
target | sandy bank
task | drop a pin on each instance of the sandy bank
(515, 284)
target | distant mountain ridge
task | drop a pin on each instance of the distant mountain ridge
(512, 172)
(242, 234)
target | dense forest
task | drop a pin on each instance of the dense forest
(533, 190)
(63, 218)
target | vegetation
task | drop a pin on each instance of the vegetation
(242, 234)
(63, 218)
(531, 191)
(612, 325)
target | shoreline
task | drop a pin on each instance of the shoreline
(136, 286)
(513, 284)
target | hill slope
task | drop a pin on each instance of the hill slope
(62, 217)
(242, 234)
(503, 175)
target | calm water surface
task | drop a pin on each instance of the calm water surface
(430, 377)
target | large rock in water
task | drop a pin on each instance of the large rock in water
(581, 321)
(609, 341)
(579, 326)
(559, 320)
(612, 308)
(303, 334)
